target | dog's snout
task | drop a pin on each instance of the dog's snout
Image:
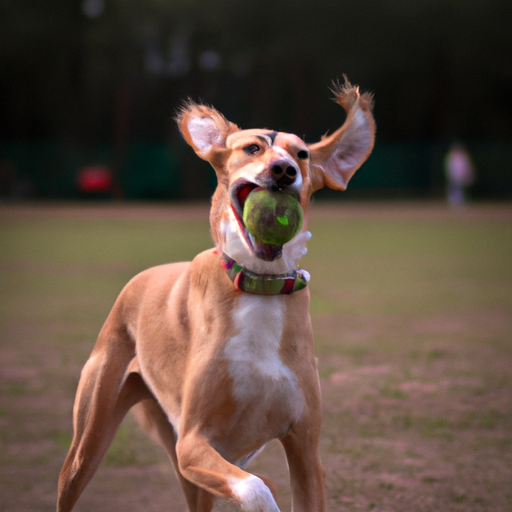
(283, 174)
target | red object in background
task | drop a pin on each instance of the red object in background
(95, 178)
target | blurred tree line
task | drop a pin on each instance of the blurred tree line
(90, 72)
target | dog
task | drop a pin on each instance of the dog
(217, 354)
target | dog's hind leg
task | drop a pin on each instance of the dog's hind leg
(153, 419)
(107, 389)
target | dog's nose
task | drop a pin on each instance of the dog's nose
(283, 174)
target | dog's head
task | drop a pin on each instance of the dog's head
(259, 158)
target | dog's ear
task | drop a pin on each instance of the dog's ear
(336, 158)
(204, 128)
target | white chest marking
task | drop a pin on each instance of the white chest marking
(253, 353)
(258, 322)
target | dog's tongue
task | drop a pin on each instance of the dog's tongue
(264, 251)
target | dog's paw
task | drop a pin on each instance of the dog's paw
(253, 495)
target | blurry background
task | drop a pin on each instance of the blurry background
(411, 301)
(94, 85)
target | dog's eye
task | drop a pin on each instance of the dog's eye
(303, 155)
(252, 149)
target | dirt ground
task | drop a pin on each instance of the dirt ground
(414, 363)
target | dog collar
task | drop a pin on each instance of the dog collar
(264, 284)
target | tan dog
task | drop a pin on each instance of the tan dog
(217, 353)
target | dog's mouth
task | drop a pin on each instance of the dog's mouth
(238, 196)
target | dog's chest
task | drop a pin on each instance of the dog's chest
(260, 379)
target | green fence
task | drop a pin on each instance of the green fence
(156, 171)
(146, 171)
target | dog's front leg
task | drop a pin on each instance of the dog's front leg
(205, 467)
(306, 473)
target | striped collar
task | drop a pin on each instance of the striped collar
(264, 284)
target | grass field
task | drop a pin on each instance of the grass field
(412, 311)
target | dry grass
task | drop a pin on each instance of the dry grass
(412, 310)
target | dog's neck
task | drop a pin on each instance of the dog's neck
(264, 284)
(253, 275)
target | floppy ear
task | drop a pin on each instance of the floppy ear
(336, 158)
(204, 128)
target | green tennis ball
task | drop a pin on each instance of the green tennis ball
(272, 217)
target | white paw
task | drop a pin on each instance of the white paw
(253, 495)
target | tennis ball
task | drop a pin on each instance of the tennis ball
(272, 217)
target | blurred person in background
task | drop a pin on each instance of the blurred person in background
(460, 173)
